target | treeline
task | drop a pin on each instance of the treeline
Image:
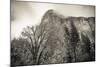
(27, 49)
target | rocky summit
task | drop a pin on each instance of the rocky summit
(70, 39)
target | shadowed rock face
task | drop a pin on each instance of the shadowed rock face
(70, 39)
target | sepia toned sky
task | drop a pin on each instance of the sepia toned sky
(30, 13)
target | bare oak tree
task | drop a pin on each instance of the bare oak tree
(37, 36)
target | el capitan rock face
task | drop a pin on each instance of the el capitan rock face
(55, 47)
(70, 39)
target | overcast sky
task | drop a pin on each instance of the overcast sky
(30, 13)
